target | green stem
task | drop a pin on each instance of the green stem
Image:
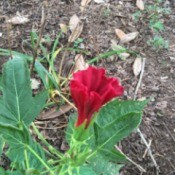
(40, 159)
(26, 158)
(50, 147)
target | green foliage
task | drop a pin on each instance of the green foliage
(158, 42)
(78, 42)
(157, 26)
(91, 149)
(111, 124)
(154, 13)
(102, 166)
(18, 106)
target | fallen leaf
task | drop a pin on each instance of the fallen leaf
(34, 83)
(76, 32)
(84, 3)
(73, 23)
(140, 4)
(99, 1)
(123, 56)
(18, 19)
(137, 66)
(120, 33)
(80, 63)
(54, 113)
(129, 37)
(63, 28)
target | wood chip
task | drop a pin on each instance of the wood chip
(137, 66)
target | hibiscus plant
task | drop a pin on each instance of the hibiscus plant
(92, 133)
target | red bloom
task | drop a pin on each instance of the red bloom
(90, 89)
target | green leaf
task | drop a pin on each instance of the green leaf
(2, 144)
(18, 141)
(2, 171)
(103, 167)
(14, 54)
(45, 75)
(107, 137)
(0, 83)
(116, 109)
(18, 105)
(112, 155)
(14, 173)
(86, 170)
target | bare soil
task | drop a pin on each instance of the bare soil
(100, 22)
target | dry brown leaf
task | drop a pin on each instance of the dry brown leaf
(34, 83)
(123, 56)
(137, 66)
(119, 33)
(80, 63)
(84, 3)
(129, 37)
(73, 23)
(18, 19)
(76, 32)
(63, 28)
(99, 1)
(140, 4)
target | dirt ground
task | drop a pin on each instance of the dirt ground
(100, 22)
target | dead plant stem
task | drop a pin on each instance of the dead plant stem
(138, 130)
(43, 20)
(134, 163)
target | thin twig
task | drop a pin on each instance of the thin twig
(149, 150)
(140, 78)
(145, 153)
(169, 132)
(138, 130)
(134, 163)
(43, 20)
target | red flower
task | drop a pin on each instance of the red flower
(90, 89)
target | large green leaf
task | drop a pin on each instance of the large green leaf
(18, 105)
(107, 137)
(102, 166)
(115, 109)
(19, 142)
(112, 155)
